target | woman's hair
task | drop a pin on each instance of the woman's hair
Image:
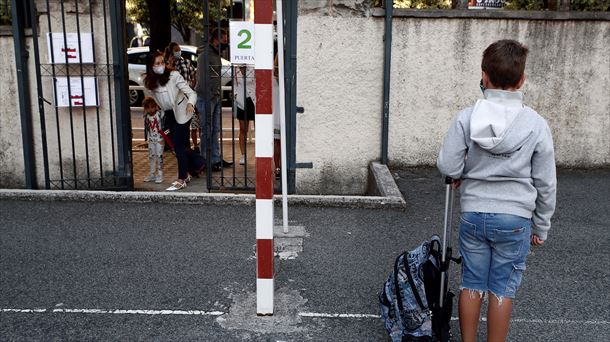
(152, 80)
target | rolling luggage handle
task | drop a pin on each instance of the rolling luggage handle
(446, 254)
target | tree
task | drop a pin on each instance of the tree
(160, 24)
(185, 15)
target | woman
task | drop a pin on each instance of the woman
(173, 56)
(177, 100)
(245, 95)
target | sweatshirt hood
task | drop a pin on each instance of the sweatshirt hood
(499, 123)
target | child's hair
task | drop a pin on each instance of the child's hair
(504, 62)
(149, 102)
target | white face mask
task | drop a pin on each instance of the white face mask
(159, 69)
(177, 54)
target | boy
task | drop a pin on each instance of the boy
(501, 153)
(152, 125)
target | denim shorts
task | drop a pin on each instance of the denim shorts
(493, 249)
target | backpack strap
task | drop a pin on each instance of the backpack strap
(411, 283)
(413, 288)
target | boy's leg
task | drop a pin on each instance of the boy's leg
(498, 318)
(511, 240)
(469, 308)
(476, 259)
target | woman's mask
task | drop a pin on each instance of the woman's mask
(177, 54)
(159, 69)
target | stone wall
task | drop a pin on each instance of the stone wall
(435, 72)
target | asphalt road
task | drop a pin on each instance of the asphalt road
(77, 263)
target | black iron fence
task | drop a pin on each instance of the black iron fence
(83, 126)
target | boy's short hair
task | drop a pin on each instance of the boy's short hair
(504, 62)
(149, 102)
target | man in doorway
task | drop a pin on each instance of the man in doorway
(218, 39)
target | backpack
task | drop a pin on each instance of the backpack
(409, 300)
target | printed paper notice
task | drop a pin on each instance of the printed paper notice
(76, 97)
(62, 51)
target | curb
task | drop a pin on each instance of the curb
(382, 186)
(370, 202)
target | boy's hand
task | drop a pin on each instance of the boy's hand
(536, 241)
(456, 183)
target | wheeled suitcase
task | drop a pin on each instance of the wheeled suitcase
(415, 302)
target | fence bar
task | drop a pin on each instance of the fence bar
(387, 60)
(282, 111)
(27, 138)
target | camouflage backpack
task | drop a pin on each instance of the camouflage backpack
(410, 296)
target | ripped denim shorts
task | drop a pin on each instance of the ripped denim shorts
(493, 248)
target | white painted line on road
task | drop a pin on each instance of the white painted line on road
(120, 312)
(336, 315)
(483, 319)
(302, 314)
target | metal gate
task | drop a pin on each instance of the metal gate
(226, 128)
(81, 133)
(236, 143)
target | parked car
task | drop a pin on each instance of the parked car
(137, 57)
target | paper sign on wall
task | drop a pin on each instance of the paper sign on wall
(241, 34)
(70, 48)
(75, 96)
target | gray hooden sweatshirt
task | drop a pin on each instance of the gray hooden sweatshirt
(503, 152)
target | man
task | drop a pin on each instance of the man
(218, 39)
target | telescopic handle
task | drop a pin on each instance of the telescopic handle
(446, 234)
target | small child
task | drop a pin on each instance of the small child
(152, 124)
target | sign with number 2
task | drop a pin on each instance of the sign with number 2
(241, 36)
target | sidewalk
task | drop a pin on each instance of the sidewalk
(197, 262)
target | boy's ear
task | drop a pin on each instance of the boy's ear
(485, 79)
(521, 82)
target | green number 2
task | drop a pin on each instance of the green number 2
(244, 44)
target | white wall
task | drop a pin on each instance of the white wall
(11, 147)
(435, 73)
(340, 78)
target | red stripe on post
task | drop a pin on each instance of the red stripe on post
(264, 94)
(264, 178)
(264, 257)
(263, 12)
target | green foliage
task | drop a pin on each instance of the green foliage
(185, 14)
(5, 13)
(590, 5)
(530, 5)
(418, 4)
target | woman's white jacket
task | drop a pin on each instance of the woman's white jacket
(179, 90)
